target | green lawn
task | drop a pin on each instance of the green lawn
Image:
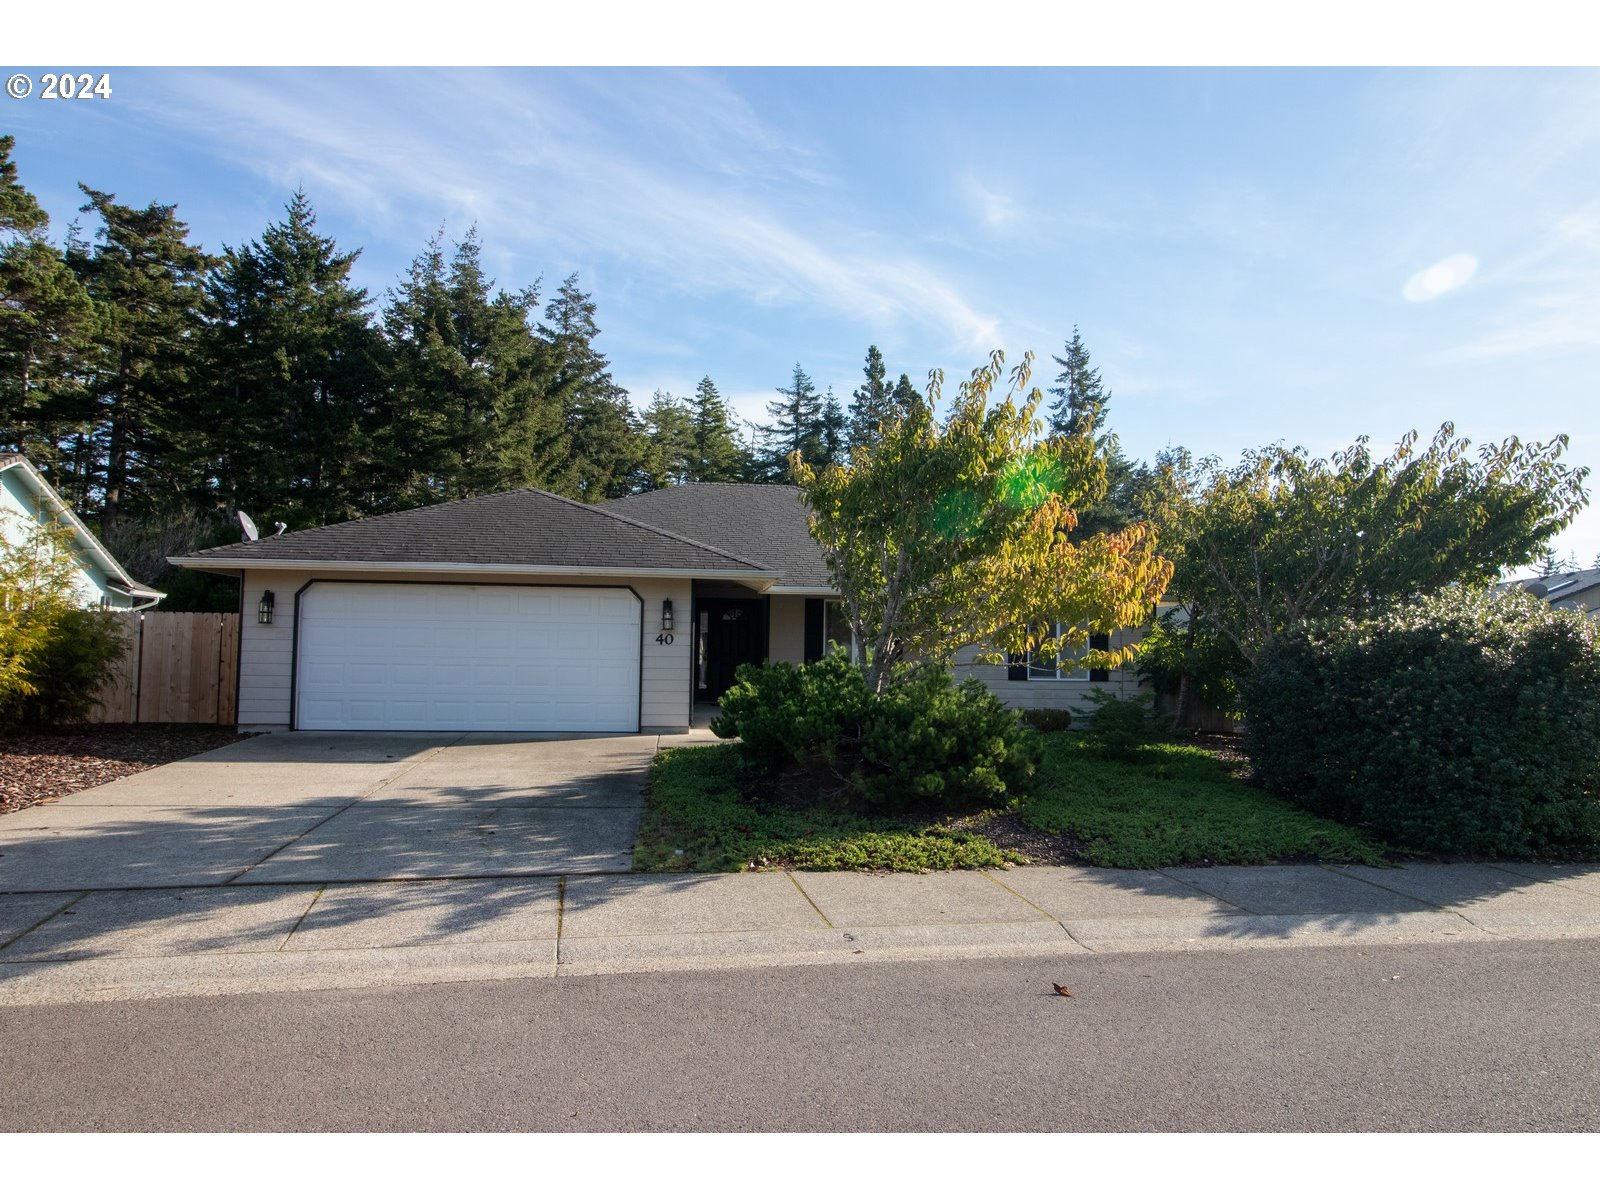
(1176, 804)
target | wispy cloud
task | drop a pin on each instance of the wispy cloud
(695, 190)
(1546, 298)
(1440, 279)
(997, 211)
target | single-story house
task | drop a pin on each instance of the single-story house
(528, 611)
(27, 501)
(1577, 590)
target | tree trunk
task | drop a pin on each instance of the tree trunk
(1182, 717)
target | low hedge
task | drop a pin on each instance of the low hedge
(1466, 724)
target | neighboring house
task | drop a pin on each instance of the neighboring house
(27, 501)
(1578, 590)
(528, 611)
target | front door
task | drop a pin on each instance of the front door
(728, 633)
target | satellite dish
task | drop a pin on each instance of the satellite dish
(251, 534)
(278, 532)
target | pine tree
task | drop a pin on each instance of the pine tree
(719, 456)
(796, 426)
(872, 403)
(1081, 406)
(145, 280)
(906, 396)
(287, 425)
(671, 455)
(607, 443)
(469, 412)
(45, 319)
(1551, 563)
(1081, 400)
(833, 432)
(876, 401)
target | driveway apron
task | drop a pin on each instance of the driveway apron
(329, 807)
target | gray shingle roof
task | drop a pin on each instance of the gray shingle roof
(761, 521)
(526, 527)
(10, 459)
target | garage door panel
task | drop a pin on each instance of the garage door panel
(429, 656)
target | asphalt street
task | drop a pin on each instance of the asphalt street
(1496, 1036)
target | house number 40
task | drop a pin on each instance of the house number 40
(663, 639)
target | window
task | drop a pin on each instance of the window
(1045, 666)
(836, 630)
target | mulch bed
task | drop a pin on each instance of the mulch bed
(36, 767)
(1010, 832)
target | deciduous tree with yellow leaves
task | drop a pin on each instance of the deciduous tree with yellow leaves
(955, 532)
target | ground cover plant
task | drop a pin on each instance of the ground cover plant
(701, 818)
(1172, 803)
(1165, 803)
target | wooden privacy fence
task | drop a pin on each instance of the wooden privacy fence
(179, 666)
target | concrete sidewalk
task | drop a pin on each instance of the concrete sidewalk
(119, 944)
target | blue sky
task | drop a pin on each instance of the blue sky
(1304, 255)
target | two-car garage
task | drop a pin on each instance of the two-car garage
(424, 656)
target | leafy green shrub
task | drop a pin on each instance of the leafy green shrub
(1118, 728)
(1046, 720)
(922, 742)
(1214, 664)
(1463, 724)
(72, 657)
(926, 742)
(782, 713)
(54, 655)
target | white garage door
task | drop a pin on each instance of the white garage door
(434, 656)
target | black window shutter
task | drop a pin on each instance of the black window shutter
(814, 646)
(1099, 641)
(1017, 667)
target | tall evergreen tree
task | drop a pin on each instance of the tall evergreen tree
(833, 432)
(45, 319)
(468, 409)
(796, 425)
(607, 444)
(145, 280)
(1080, 409)
(286, 426)
(877, 401)
(872, 403)
(1081, 400)
(719, 455)
(670, 454)
(906, 396)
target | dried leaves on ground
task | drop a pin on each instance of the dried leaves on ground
(36, 766)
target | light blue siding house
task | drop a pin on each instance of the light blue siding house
(28, 501)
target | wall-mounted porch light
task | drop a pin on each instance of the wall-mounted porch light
(666, 616)
(264, 609)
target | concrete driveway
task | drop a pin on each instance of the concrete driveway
(320, 808)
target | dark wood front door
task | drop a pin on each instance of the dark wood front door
(730, 632)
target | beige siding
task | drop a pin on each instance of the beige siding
(1075, 694)
(788, 630)
(266, 651)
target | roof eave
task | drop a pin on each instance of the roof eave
(82, 534)
(759, 582)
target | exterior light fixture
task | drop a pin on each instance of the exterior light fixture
(666, 616)
(264, 609)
